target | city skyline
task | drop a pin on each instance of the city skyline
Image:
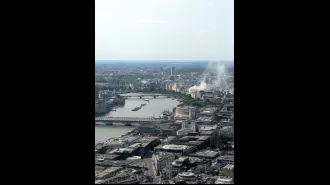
(164, 30)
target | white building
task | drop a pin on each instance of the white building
(185, 113)
(163, 164)
(175, 87)
(168, 86)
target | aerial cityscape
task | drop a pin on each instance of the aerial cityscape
(163, 120)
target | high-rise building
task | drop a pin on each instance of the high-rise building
(172, 70)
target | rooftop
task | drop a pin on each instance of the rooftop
(209, 132)
(226, 157)
(122, 150)
(163, 155)
(99, 168)
(206, 153)
(229, 166)
(134, 158)
(137, 163)
(175, 147)
(187, 159)
(122, 163)
(135, 145)
(224, 180)
(112, 169)
(207, 127)
(110, 156)
(146, 139)
(205, 118)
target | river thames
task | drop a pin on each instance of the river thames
(154, 108)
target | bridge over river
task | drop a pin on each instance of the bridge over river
(148, 95)
(108, 120)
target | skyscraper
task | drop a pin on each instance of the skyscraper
(172, 70)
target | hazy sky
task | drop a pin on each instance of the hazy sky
(164, 30)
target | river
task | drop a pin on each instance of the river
(153, 109)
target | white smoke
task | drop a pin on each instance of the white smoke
(219, 71)
(202, 86)
(215, 67)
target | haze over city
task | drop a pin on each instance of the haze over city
(164, 30)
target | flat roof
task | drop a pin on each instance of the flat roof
(205, 118)
(224, 180)
(195, 142)
(110, 156)
(208, 132)
(226, 157)
(162, 155)
(207, 127)
(121, 150)
(229, 166)
(191, 159)
(112, 169)
(173, 147)
(99, 168)
(122, 162)
(137, 163)
(206, 153)
(203, 138)
(146, 139)
(135, 145)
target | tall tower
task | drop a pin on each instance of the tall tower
(172, 70)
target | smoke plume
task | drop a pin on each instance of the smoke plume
(212, 67)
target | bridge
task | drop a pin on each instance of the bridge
(126, 120)
(149, 95)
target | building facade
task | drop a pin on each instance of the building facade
(225, 160)
(100, 107)
(163, 164)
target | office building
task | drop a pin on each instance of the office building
(172, 70)
(225, 160)
(163, 164)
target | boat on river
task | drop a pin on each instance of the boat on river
(136, 108)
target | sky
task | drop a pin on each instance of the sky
(164, 30)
